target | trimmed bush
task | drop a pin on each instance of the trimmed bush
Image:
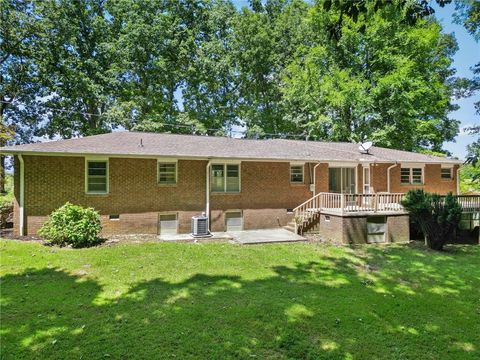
(72, 225)
(437, 217)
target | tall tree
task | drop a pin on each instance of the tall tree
(265, 41)
(381, 79)
(18, 75)
(74, 57)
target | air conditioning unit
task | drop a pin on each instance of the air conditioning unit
(200, 226)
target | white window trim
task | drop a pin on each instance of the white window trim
(224, 164)
(93, 159)
(451, 173)
(167, 161)
(303, 172)
(410, 176)
(342, 164)
(412, 165)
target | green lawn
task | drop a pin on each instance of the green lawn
(220, 301)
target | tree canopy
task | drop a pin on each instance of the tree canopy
(345, 71)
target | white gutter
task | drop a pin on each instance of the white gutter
(315, 179)
(388, 176)
(207, 194)
(5, 151)
(21, 213)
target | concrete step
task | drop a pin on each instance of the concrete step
(290, 227)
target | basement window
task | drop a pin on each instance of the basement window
(114, 217)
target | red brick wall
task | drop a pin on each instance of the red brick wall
(266, 191)
(432, 179)
(353, 229)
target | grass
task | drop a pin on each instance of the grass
(221, 301)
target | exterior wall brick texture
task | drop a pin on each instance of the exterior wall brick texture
(134, 194)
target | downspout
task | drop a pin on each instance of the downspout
(388, 176)
(457, 179)
(21, 212)
(315, 179)
(207, 194)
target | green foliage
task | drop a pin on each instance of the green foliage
(438, 217)
(72, 225)
(329, 69)
(7, 197)
(381, 79)
(470, 179)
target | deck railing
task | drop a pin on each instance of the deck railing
(469, 203)
(348, 203)
(343, 204)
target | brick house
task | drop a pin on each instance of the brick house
(145, 183)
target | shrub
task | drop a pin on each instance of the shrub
(6, 212)
(437, 217)
(72, 225)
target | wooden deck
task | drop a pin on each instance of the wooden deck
(366, 204)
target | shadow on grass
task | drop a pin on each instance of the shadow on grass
(377, 304)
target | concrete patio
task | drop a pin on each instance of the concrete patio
(244, 237)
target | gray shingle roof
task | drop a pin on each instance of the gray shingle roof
(191, 146)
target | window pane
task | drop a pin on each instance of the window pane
(296, 173)
(233, 178)
(218, 178)
(97, 176)
(405, 175)
(416, 176)
(334, 180)
(447, 174)
(348, 177)
(366, 176)
(167, 173)
(97, 168)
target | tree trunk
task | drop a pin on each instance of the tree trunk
(2, 174)
(3, 142)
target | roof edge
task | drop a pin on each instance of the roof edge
(5, 151)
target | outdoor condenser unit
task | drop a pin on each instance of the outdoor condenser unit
(200, 226)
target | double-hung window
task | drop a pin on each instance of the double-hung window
(413, 176)
(96, 177)
(296, 173)
(225, 178)
(167, 173)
